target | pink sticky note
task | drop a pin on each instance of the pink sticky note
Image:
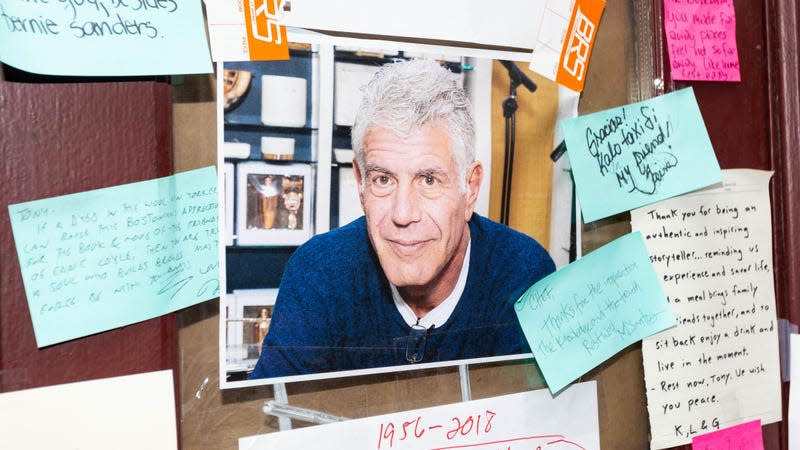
(701, 40)
(746, 436)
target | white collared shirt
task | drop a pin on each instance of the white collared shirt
(438, 315)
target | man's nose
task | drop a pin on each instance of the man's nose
(406, 207)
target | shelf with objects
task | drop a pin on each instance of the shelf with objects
(268, 150)
(270, 135)
(287, 166)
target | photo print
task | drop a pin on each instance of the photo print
(310, 290)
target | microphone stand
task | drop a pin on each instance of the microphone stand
(517, 77)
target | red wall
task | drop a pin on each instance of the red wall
(60, 138)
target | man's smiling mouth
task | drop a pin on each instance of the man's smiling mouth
(407, 247)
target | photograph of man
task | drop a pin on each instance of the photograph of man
(420, 277)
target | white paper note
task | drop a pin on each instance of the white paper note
(719, 366)
(130, 412)
(508, 23)
(511, 422)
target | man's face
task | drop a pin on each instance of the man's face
(416, 213)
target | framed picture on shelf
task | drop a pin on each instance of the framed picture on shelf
(248, 315)
(227, 176)
(273, 203)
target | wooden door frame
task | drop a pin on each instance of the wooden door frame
(781, 37)
(782, 28)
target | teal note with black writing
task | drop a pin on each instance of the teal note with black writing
(102, 259)
(586, 312)
(104, 37)
(627, 157)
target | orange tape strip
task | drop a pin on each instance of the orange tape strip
(578, 45)
(266, 38)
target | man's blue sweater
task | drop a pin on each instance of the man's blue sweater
(335, 311)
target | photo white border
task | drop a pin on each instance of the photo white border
(483, 143)
(228, 205)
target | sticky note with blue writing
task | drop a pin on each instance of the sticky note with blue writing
(104, 37)
(637, 154)
(586, 312)
(102, 259)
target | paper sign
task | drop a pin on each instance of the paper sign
(102, 259)
(526, 420)
(794, 392)
(583, 314)
(626, 157)
(701, 39)
(104, 37)
(746, 436)
(719, 367)
(247, 30)
(565, 40)
(124, 413)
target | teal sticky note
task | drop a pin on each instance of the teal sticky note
(627, 157)
(102, 259)
(104, 37)
(586, 312)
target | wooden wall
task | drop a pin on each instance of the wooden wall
(59, 137)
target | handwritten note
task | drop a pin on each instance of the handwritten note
(746, 436)
(512, 422)
(124, 413)
(626, 157)
(102, 259)
(701, 40)
(713, 253)
(104, 37)
(583, 314)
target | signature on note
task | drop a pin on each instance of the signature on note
(635, 148)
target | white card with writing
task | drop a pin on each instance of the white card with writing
(719, 366)
(526, 420)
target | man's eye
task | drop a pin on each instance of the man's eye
(429, 180)
(382, 180)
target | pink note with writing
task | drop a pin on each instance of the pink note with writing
(746, 436)
(701, 39)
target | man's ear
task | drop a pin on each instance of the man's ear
(474, 179)
(359, 184)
